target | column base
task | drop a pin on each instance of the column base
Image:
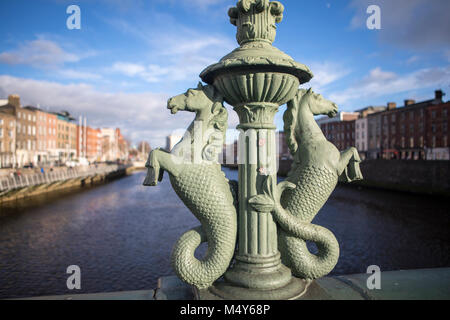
(222, 290)
(261, 273)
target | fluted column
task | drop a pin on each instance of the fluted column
(258, 264)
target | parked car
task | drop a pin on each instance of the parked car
(77, 162)
(71, 164)
(29, 166)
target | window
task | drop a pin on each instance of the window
(445, 113)
(433, 114)
(445, 127)
(1, 122)
(444, 141)
(1, 132)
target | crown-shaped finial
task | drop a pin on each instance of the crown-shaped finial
(256, 20)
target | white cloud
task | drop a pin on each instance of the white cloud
(380, 83)
(184, 58)
(326, 73)
(76, 74)
(38, 53)
(128, 69)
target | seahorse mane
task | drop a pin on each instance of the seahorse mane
(219, 120)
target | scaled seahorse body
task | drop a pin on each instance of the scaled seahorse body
(198, 180)
(317, 167)
(313, 188)
(206, 192)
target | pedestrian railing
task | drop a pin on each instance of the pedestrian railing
(36, 179)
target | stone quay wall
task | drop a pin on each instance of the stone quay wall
(416, 176)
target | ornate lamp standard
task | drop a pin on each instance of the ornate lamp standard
(273, 221)
(256, 79)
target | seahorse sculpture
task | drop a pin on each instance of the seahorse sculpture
(317, 167)
(198, 180)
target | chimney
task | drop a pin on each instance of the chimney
(409, 102)
(14, 100)
(391, 105)
(438, 94)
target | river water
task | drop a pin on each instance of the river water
(121, 235)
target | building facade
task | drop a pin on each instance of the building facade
(361, 137)
(89, 143)
(438, 122)
(7, 140)
(66, 140)
(415, 131)
(340, 130)
(25, 150)
(52, 137)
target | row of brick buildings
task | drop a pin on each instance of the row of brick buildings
(415, 131)
(31, 135)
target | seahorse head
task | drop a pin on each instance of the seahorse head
(306, 102)
(210, 118)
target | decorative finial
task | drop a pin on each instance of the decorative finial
(256, 20)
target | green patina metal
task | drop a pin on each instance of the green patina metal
(256, 230)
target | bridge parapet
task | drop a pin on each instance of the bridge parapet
(11, 183)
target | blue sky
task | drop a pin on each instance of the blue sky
(130, 56)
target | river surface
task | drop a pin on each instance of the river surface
(121, 235)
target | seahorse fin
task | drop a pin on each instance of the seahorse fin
(351, 173)
(154, 171)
